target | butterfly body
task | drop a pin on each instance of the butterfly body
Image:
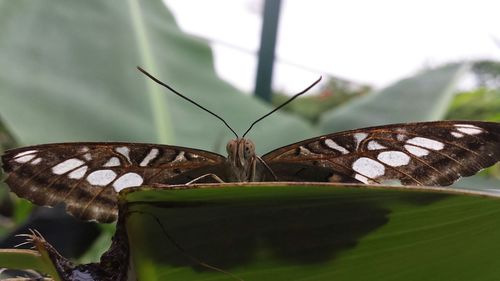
(88, 176)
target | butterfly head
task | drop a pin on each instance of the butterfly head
(240, 151)
(241, 156)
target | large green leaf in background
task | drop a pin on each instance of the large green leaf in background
(313, 232)
(68, 74)
(423, 97)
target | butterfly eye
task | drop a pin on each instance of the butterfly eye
(249, 149)
(230, 147)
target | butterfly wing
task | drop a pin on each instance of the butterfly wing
(427, 153)
(88, 176)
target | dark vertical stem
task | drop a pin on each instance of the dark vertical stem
(267, 47)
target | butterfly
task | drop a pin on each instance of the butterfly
(87, 176)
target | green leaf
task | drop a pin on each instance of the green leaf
(69, 74)
(27, 259)
(479, 104)
(312, 232)
(423, 97)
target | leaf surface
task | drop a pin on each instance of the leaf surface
(313, 232)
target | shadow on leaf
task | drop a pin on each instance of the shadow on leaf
(231, 234)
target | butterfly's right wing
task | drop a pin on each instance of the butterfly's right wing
(88, 176)
(426, 153)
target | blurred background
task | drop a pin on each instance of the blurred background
(67, 73)
(365, 42)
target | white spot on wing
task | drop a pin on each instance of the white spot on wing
(361, 178)
(401, 137)
(368, 167)
(470, 131)
(112, 162)
(427, 143)
(25, 158)
(101, 177)
(127, 180)
(25, 153)
(333, 145)
(417, 151)
(394, 158)
(374, 145)
(66, 166)
(467, 126)
(393, 182)
(151, 155)
(125, 151)
(304, 151)
(78, 173)
(359, 137)
(457, 134)
(194, 156)
(87, 156)
(181, 157)
(36, 161)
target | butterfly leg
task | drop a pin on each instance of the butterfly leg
(63, 266)
(267, 168)
(213, 176)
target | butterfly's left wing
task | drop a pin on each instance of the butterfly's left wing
(88, 176)
(427, 153)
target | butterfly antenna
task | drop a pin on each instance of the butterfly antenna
(283, 104)
(186, 98)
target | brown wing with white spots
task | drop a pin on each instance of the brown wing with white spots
(88, 176)
(428, 153)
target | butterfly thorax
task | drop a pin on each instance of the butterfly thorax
(242, 160)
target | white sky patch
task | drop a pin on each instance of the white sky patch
(127, 180)
(151, 155)
(427, 143)
(417, 151)
(101, 177)
(394, 158)
(333, 145)
(112, 162)
(368, 167)
(412, 44)
(78, 173)
(66, 166)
